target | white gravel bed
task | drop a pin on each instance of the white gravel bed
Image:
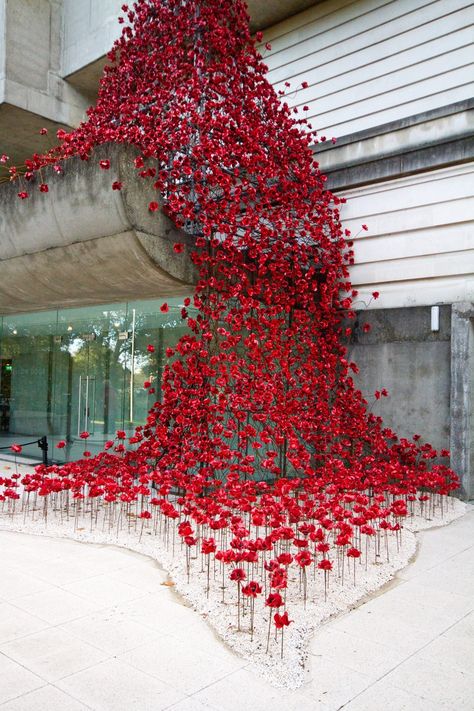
(289, 671)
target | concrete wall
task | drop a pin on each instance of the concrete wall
(462, 394)
(402, 354)
(32, 93)
(90, 28)
(33, 45)
(429, 376)
(33, 57)
(370, 62)
(2, 48)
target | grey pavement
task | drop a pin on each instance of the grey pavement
(95, 627)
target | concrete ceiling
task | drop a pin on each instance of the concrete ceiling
(264, 13)
(20, 134)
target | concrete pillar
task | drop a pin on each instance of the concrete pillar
(462, 395)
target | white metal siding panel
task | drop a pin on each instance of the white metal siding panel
(372, 61)
(419, 248)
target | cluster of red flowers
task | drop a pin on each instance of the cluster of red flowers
(262, 451)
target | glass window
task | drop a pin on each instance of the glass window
(74, 370)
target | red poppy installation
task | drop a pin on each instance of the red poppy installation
(261, 455)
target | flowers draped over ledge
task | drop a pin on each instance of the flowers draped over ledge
(262, 453)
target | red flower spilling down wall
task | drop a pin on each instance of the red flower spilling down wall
(262, 453)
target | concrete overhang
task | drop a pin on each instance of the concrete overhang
(19, 132)
(264, 13)
(84, 243)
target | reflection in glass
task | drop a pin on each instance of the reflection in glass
(74, 370)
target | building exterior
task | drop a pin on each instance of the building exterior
(82, 278)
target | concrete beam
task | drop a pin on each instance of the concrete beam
(462, 395)
(83, 243)
(434, 139)
(32, 92)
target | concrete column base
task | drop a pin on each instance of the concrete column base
(462, 395)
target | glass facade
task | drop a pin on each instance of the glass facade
(70, 370)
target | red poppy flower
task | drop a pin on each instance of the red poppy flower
(279, 579)
(325, 564)
(274, 600)
(304, 558)
(353, 553)
(208, 546)
(281, 620)
(252, 589)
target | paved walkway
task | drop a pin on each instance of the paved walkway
(93, 627)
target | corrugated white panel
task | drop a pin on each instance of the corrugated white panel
(416, 293)
(453, 238)
(419, 247)
(425, 267)
(372, 61)
(422, 189)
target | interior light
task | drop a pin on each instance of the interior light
(69, 328)
(117, 324)
(15, 331)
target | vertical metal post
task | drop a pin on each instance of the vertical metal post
(79, 413)
(132, 364)
(86, 414)
(44, 446)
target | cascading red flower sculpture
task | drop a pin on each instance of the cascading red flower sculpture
(262, 453)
